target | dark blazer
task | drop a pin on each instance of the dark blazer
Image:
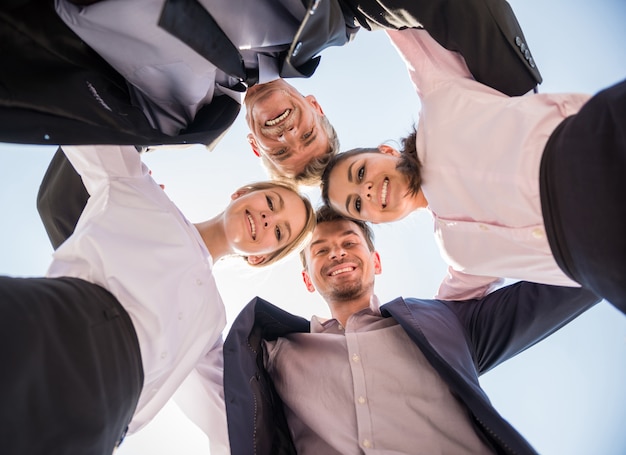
(56, 90)
(460, 339)
(485, 32)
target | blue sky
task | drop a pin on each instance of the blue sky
(565, 395)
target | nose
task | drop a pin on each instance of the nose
(289, 133)
(337, 252)
(267, 219)
(366, 190)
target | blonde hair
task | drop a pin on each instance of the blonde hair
(299, 240)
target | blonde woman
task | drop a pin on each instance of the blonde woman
(129, 312)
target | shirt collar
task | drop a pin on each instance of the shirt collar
(323, 325)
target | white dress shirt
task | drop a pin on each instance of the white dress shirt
(132, 240)
(480, 152)
(169, 80)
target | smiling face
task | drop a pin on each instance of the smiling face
(262, 221)
(368, 186)
(285, 126)
(339, 263)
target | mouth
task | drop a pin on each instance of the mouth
(276, 120)
(341, 270)
(252, 225)
(383, 192)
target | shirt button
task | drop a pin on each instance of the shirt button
(361, 400)
(199, 282)
(339, 326)
(483, 227)
(367, 443)
(355, 357)
(537, 233)
(180, 316)
(163, 355)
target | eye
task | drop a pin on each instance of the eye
(270, 204)
(279, 152)
(360, 173)
(357, 204)
(308, 135)
(322, 251)
(279, 234)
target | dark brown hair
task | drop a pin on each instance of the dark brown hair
(408, 165)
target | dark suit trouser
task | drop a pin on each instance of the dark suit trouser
(583, 194)
(71, 371)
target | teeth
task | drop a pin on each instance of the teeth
(344, 270)
(383, 193)
(252, 226)
(278, 119)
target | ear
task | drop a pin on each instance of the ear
(307, 281)
(255, 260)
(253, 145)
(378, 268)
(240, 192)
(313, 102)
(388, 150)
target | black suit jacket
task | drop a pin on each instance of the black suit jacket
(460, 339)
(54, 89)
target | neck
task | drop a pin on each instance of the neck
(342, 309)
(419, 200)
(214, 237)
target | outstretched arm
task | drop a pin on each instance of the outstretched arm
(62, 195)
(512, 319)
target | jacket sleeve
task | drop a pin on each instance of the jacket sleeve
(512, 319)
(485, 32)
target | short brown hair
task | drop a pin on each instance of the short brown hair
(326, 214)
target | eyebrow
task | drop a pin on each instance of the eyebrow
(350, 171)
(348, 203)
(281, 202)
(345, 233)
(284, 156)
(349, 199)
(281, 206)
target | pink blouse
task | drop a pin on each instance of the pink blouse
(480, 151)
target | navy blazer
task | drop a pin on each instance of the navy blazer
(461, 340)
